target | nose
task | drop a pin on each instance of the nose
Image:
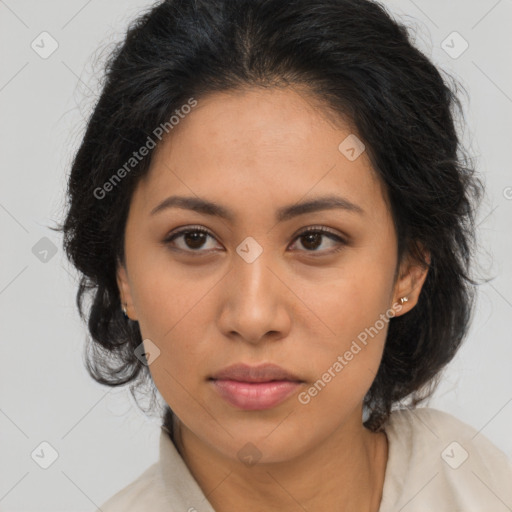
(256, 303)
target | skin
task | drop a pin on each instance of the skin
(299, 305)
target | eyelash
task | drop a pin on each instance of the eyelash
(311, 230)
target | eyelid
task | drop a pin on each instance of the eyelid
(186, 229)
(303, 231)
(321, 229)
(341, 240)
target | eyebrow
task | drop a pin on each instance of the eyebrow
(329, 202)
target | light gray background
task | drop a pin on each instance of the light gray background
(103, 441)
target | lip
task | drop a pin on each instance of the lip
(261, 373)
(255, 387)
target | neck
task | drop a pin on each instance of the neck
(345, 472)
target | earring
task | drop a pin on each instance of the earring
(124, 311)
(403, 300)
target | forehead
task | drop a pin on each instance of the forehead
(274, 145)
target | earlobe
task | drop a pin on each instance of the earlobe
(410, 283)
(124, 292)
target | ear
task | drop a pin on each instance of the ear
(125, 295)
(411, 277)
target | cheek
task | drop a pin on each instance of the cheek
(165, 294)
(177, 370)
(346, 305)
(344, 369)
(346, 348)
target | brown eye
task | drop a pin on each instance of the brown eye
(191, 239)
(194, 239)
(312, 239)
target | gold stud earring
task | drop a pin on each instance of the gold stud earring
(403, 300)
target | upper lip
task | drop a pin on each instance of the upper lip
(261, 373)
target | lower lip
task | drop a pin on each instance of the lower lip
(254, 396)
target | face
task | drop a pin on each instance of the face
(251, 287)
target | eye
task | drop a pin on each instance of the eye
(312, 239)
(193, 238)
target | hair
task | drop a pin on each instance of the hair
(361, 64)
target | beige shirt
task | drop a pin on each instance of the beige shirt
(436, 463)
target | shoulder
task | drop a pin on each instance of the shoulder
(165, 486)
(138, 495)
(436, 460)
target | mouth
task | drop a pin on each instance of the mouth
(255, 387)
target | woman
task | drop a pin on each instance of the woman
(274, 218)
